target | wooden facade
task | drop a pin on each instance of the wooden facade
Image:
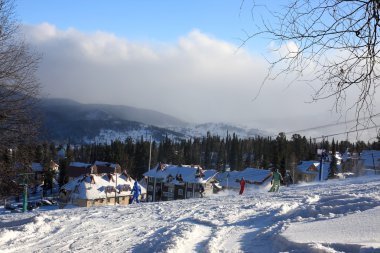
(160, 189)
(95, 190)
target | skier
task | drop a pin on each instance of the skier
(201, 190)
(276, 180)
(242, 185)
(136, 191)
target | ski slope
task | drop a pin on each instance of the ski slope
(333, 216)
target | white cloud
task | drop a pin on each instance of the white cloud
(198, 79)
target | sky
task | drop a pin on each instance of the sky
(183, 58)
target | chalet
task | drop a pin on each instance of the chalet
(367, 163)
(255, 179)
(98, 190)
(171, 182)
(77, 169)
(308, 171)
(39, 170)
(106, 167)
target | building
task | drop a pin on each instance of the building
(171, 182)
(368, 162)
(98, 190)
(77, 169)
(308, 171)
(106, 167)
(39, 170)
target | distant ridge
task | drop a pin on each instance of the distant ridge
(106, 112)
(66, 120)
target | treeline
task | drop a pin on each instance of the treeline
(211, 152)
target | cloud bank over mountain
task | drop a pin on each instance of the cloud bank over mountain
(198, 78)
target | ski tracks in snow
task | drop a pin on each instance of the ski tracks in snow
(249, 223)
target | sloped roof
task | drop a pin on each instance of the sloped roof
(232, 178)
(188, 173)
(304, 165)
(370, 158)
(106, 164)
(37, 167)
(80, 165)
(95, 187)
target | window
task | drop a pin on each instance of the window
(180, 192)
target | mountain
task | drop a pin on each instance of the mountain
(69, 121)
(220, 129)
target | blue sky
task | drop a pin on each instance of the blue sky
(176, 57)
(140, 20)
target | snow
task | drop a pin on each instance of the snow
(231, 179)
(187, 172)
(332, 216)
(324, 231)
(80, 164)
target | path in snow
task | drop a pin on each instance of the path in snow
(254, 222)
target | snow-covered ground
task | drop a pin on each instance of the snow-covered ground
(333, 216)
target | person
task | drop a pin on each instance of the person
(159, 194)
(136, 191)
(201, 190)
(242, 185)
(288, 179)
(276, 181)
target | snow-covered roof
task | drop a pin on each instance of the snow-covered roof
(80, 165)
(99, 187)
(37, 167)
(232, 179)
(370, 158)
(106, 164)
(304, 166)
(189, 173)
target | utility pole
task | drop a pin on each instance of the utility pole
(115, 184)
(24, 183)
(321, 164)
(150, 153)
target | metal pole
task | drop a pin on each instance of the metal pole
(115, 184)
(373, 162)
(154, 191)
(25, 198)
(150, 153)
(321, 165)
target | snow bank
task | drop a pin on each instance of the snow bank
(361, 228)
(334, 216)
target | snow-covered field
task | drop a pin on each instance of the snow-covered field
(333, 216)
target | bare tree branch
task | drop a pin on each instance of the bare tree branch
(336, 40)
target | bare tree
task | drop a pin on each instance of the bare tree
(18, 85)
(333, 42)
(18, 96)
